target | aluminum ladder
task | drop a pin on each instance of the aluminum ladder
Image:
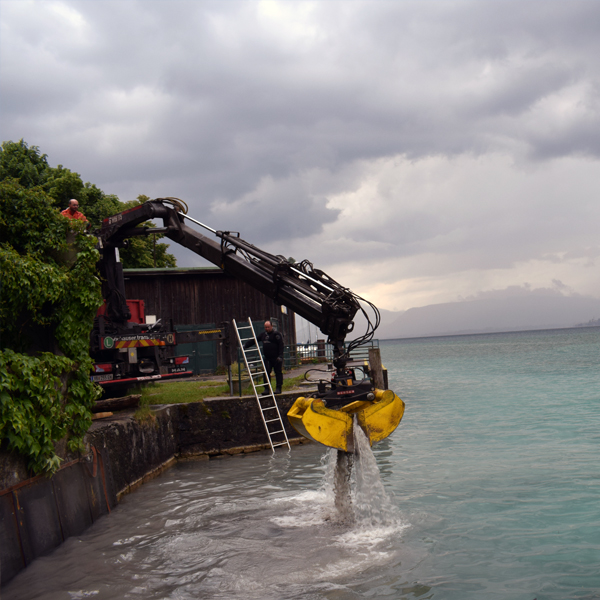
(269, 411)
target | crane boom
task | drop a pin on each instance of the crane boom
(309, 292)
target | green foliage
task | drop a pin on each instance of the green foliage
(145, 252)
(28, 222)
(62, 185)
(49, 294)
(19, 161)
(98, 206)
(31, 169)
(47, 302)
(32, 415)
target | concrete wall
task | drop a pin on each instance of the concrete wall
(38, 514)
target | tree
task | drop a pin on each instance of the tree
(49, 296)
(25, 164)
(145, 252)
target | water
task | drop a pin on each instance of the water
(498, 472)
(489, 489)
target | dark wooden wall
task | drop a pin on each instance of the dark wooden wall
(203, 295)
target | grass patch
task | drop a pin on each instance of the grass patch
(289, 385)
(292, 383)
(144, 414)
(176, 392)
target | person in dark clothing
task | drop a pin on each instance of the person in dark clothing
(273, 353)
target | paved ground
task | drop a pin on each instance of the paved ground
(315, 374)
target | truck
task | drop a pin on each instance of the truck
(130, 350)
(125, 347)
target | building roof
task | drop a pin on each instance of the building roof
(174, 271)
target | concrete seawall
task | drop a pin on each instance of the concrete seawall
(37, 514)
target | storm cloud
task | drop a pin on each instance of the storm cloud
(419, 151)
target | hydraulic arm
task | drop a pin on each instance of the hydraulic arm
(309, 292)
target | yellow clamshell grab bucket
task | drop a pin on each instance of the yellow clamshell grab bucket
(334, 428)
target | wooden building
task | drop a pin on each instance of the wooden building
(205, 296)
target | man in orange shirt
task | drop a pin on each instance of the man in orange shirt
(72, 212)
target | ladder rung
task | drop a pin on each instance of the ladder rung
(266, 393)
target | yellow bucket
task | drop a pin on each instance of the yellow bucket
(334, 428)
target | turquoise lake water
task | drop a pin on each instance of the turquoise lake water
(488, 489)
(497, 464)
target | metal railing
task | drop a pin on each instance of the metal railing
(297, 355)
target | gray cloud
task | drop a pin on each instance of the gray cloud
(366, 85)
(292, 210)
(260, 114)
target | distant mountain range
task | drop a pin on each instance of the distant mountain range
(489, 314)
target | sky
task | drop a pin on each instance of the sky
(417, 151)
